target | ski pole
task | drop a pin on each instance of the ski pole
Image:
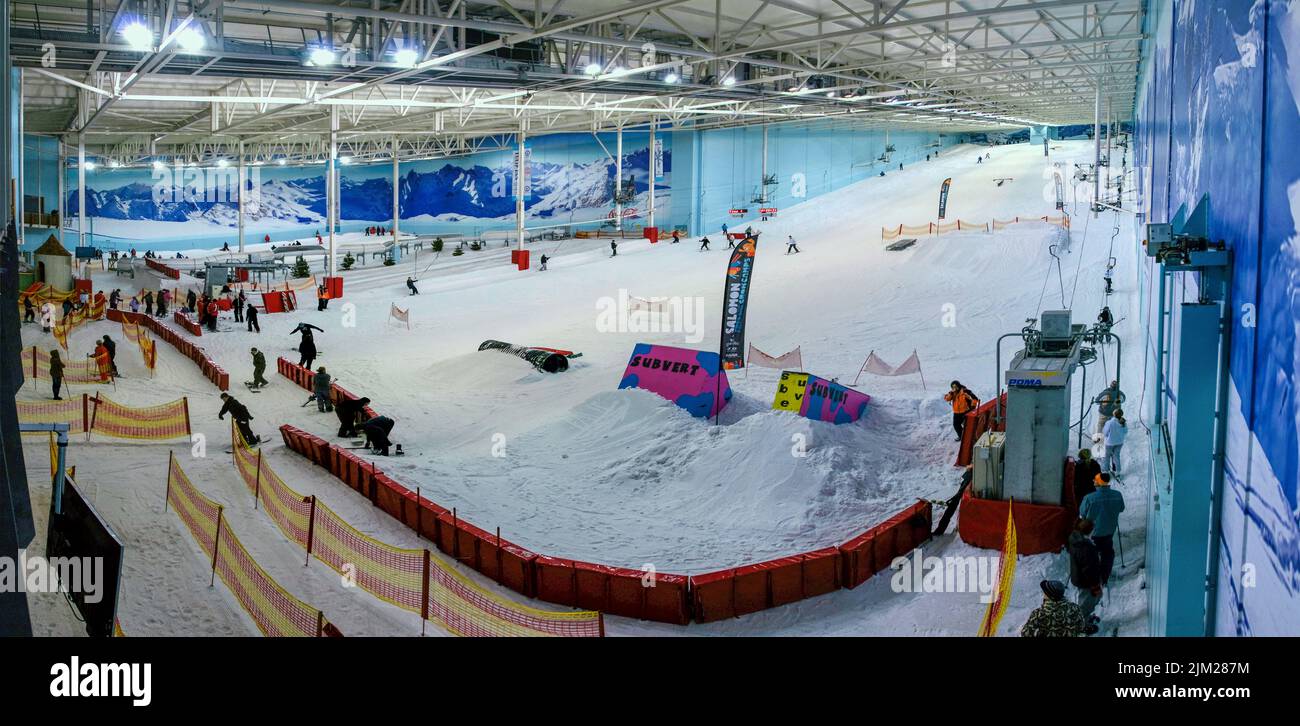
(1120, 538)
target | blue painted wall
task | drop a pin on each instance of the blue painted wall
(808, 159)
(1219, 114)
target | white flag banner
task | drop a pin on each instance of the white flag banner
(875, 365)
(400, 315)
(792, 360)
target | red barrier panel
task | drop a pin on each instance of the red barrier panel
(555, 580)
(396, 500)
(764, 585)
(1039, 527)
(713, 596)
(977, 422)
(426, 523)
(873, 550)
(167, 270)
(190, 326)
(632, 593)
(516, 568)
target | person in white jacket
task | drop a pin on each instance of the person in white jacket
(1113, 434)
(47, 316)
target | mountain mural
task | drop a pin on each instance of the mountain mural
(449, 191)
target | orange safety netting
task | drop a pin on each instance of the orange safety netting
(164, 421)
(72, 412)
(36, 363)
(41, 292)
(892, 233)
(414, 580)
(139, 335)
(93, 310)
(276, 612)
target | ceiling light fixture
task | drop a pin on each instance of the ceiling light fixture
(190, 40)
(138, 35)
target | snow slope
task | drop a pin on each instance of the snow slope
(569, 466)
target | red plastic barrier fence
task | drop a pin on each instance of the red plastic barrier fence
(748, 589)
(977, 422)
(207, 366)
(873, 550)
(190, 326)
(166, 270)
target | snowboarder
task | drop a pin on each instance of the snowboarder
(927, 157)
(240, 414)
(56, 373)
(979, 160)
(239, 307)
(954, 501)
(1107, 401)
(1086, 470)
(1109, 276)
(1056, 617)
(963, 402)
(1085, 571)
(320, 390)
(613, 248)
(377, 430)
(704, 243)
(1113, 435)
(111, 347)
(259, 367)
(1102, 508)
(307, 347)
(251, 316)
(410, 285)
(348, 410)
(1105, 319)
(543, 261)
(790, 245)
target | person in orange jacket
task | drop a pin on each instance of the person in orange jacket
(963, 402)
(104, 361)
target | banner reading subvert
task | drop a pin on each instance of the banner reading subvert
(943, 197)
(735, 301)
(688, 378)
(816, 398)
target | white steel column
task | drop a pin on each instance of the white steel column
(762, 183)
(243, 181)
(618, 180)
(520, 168)
(81, 190)
(653, 123)
(1096, 165)
(20, 206)
(63, 192)
(396, 146)
(331, 190)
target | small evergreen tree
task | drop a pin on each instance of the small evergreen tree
(348, 261)
(300, 267)
(437, 244)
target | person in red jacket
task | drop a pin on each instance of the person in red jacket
(212, 314)
(104, 361)
(963, 402)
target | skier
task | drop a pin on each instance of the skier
(979, 160)
(613, 248)
(731, 243)
(704, 243)
(307, 347)
(927, 157)
(56, 373)
(1113, 434)
(1085, 571)
(1109, 276)
(724, 231)
(1105, 319)
(239, 307)
(163, 297)
(47, 316)
(320, 390)
(790, 245)
(410, 285)
(111, 347)
(963, 402)
(543, 261)
(103, 362)
(676, 237)
(1056, 617)
(348, 410)
(135, 305)
(148, 303)
(251, 316)
(1086, 470)
(259, 367)
(1102, 508)
(377, 430)
(29, 312)
(240, 414)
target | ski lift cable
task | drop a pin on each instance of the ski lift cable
(1079, 269)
